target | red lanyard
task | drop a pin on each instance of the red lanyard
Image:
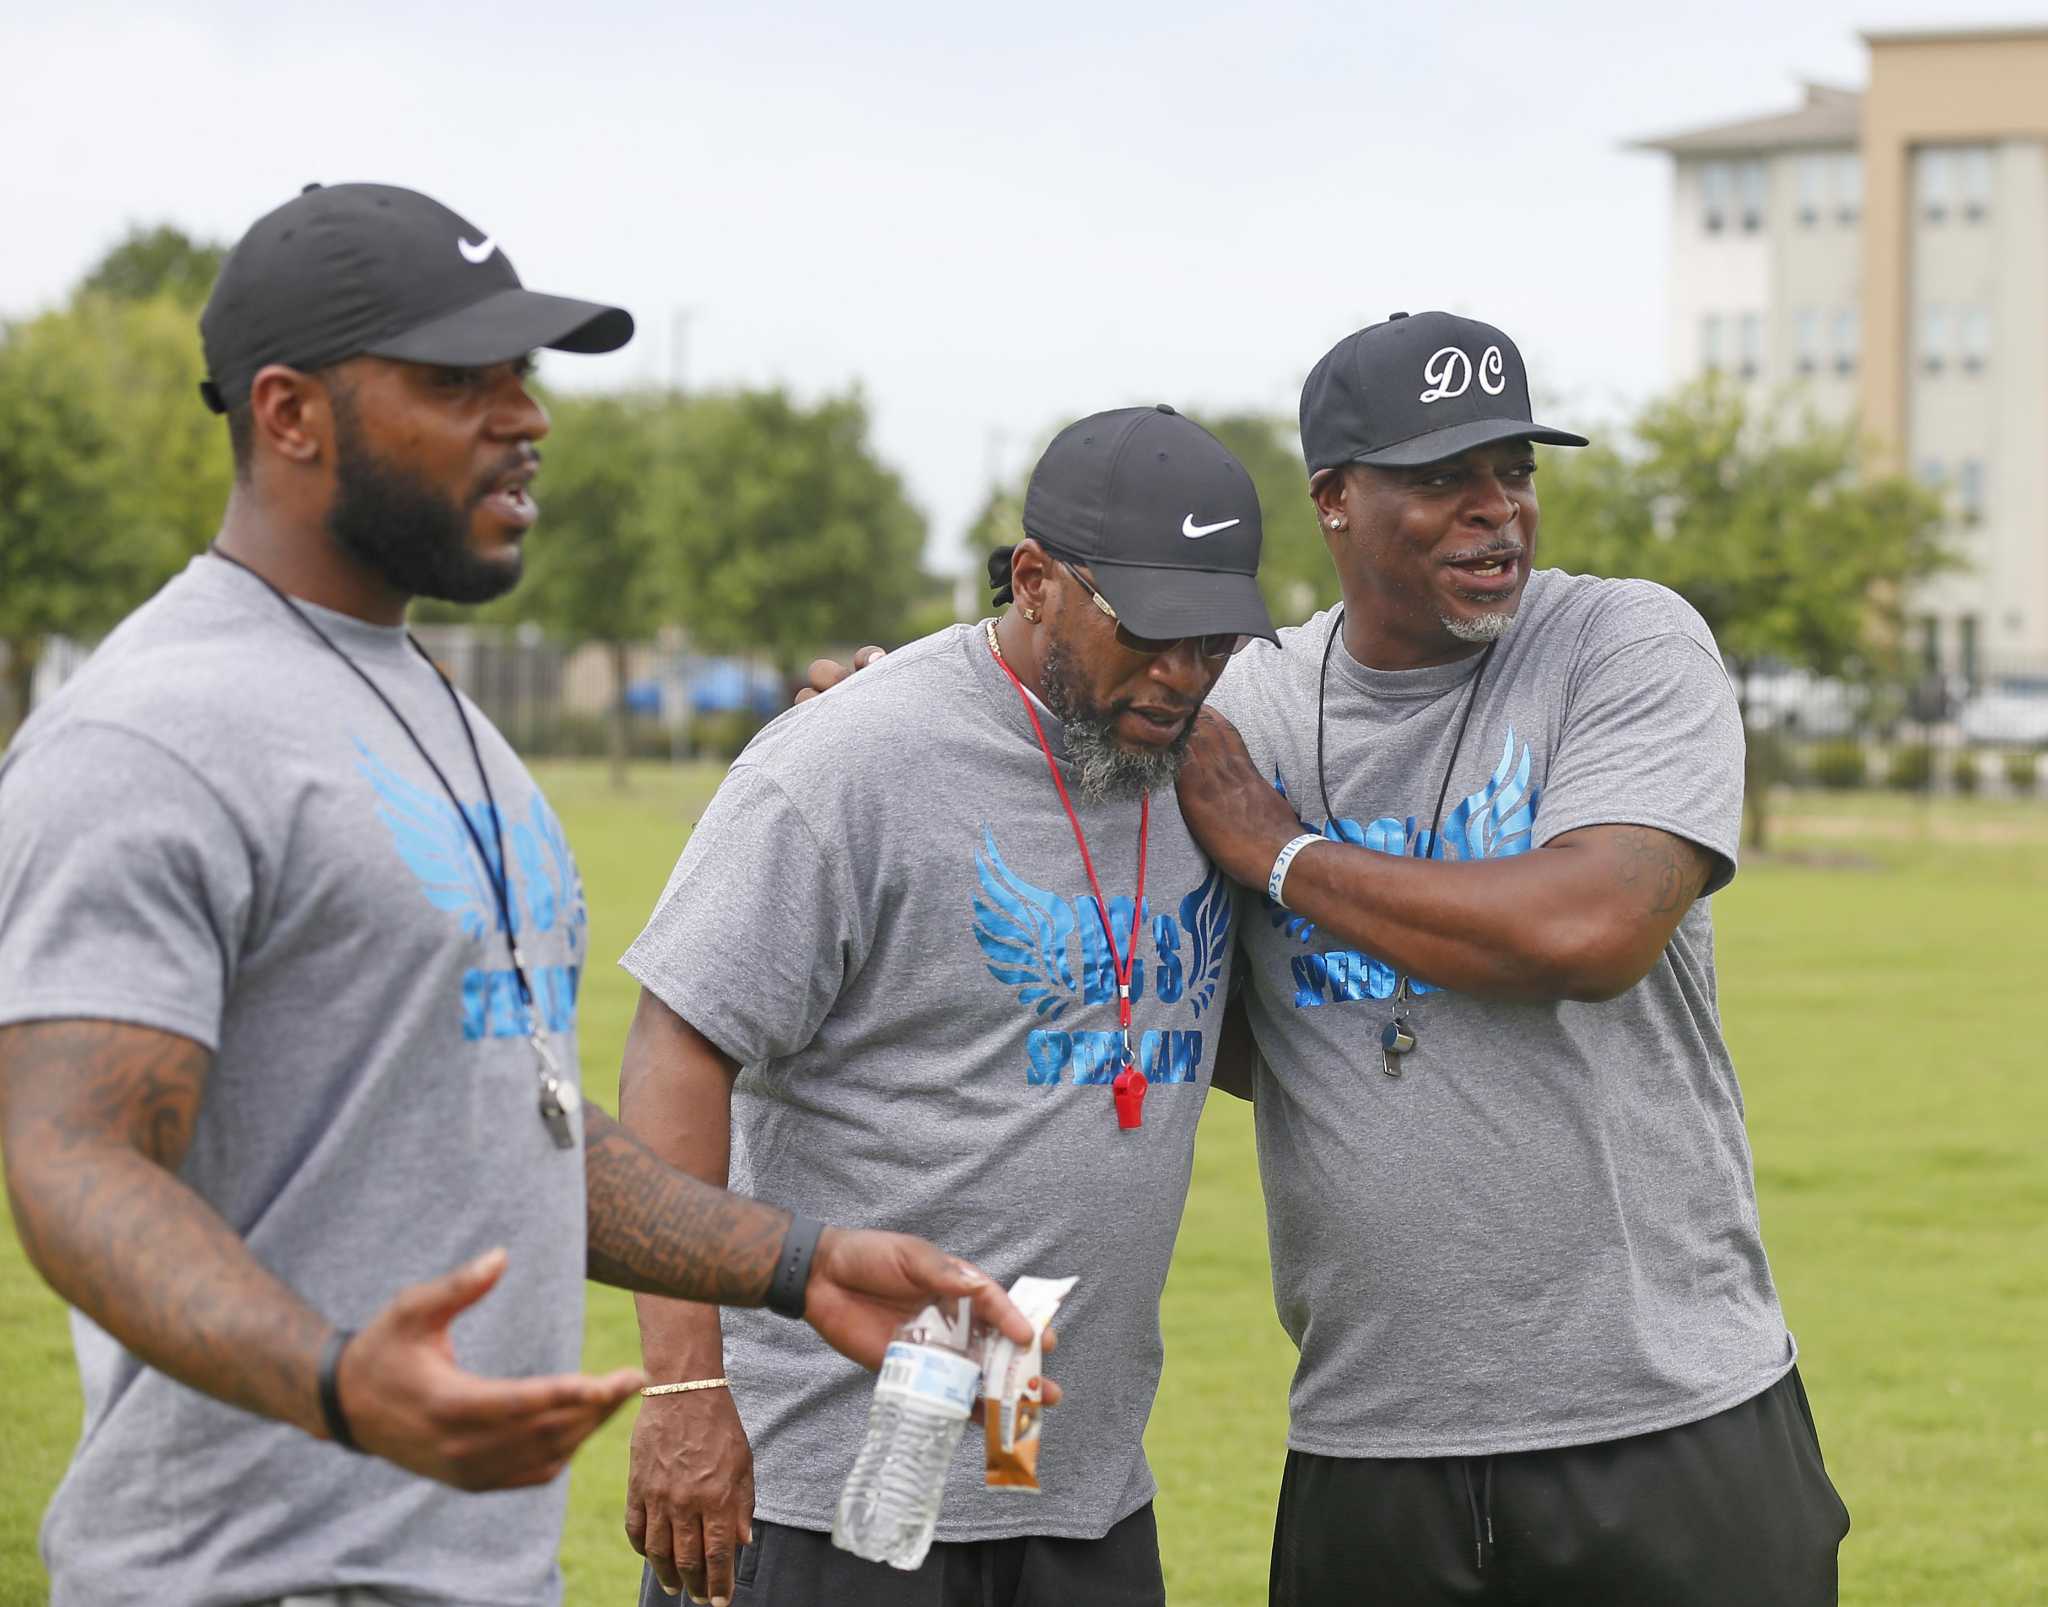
(1128, 1087)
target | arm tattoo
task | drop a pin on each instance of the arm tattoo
(1668, 872)
(95, 1118)
(659, 1231)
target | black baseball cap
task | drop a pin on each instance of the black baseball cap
(1417, 390)
(371, 270)
(1163, 515)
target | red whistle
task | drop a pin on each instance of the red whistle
(1129, 1089)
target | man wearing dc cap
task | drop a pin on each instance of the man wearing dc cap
(894, 954)
(290, 946)
(1480, 807)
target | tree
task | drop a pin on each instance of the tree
(595, 569)
(783, 530)
(160, 262)
(1765, 523)
(111, 473)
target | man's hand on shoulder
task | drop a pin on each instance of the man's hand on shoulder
(1237, 816)
(826, 673)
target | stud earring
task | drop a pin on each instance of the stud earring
(1336, 524)
(1031, 614)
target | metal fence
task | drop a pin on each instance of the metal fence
(1941, 732)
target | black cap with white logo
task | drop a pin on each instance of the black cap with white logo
(1417, 390)
(371, 270)
(1163, 515)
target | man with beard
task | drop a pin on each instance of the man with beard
(919, 964)
(1508, 1188)
(290, 946)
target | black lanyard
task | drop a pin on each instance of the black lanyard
(557, 1098)
(1398, 1038)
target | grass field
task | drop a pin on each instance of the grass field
(1881, 985)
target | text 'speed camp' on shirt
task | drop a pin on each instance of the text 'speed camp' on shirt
(215, 830)
(883, 917)
(1544, 1232)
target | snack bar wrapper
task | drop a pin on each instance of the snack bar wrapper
(1010, 1417)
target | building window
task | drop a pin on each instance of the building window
(1973, 182)
(1753, 186)
(1966, 647)
(1970, 490)
(1813, 187)
(1974, 332)
(1847, 335)
(1750, 337)
(1931, 182)
(1848, 167)
(1710, 343)
(1953, 182)
(1933, 475)
(1715, 184)
(1930, 644)
(1806, 339)
(1933, 338)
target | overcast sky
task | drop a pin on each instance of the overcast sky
(994, 219)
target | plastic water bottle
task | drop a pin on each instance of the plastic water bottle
(890, 1504)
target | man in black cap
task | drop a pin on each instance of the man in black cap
(920, 963)
(1508, 1187)
(290, 948)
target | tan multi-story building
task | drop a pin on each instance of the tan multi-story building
(1886, 254)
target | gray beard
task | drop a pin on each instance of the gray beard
(1480, 628)
(1102, 769)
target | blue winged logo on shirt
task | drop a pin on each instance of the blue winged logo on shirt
(1205, 917)
(1495, 822)
(435, 845)
(1023, 932)
(545, 894)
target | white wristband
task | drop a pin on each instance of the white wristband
(1281, 861)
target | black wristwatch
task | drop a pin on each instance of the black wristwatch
(785, 1295)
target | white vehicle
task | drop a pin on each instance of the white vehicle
(1799, 703)
(2013, 713)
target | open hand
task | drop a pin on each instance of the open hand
(407, 1401)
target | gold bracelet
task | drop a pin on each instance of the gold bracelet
(680, 1389)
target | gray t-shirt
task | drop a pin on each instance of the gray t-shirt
(1545, 1232)
(217, 831)
(883, 917)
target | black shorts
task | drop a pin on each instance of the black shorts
(785, 1567)
(1735, 1510)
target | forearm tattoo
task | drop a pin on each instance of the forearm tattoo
(659, 1231)
(1666, 872)
(96, 1117)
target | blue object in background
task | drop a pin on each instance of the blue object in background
(643, 697)
(725, 685)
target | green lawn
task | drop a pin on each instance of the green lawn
(1876, 978)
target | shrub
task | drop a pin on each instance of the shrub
(1964, 775)
(1839, 766)
(1910, 767)
(723, 735)
(2022, 770)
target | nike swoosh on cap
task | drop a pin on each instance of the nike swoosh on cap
(1195, 532)
(480, 252)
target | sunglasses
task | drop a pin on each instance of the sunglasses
(1210, 647)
